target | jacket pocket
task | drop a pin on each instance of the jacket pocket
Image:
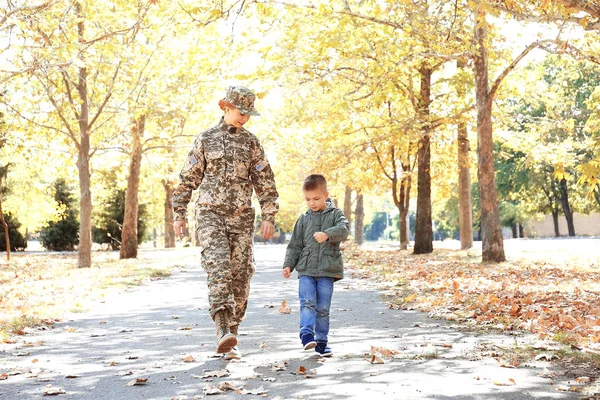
(214, 161)
(302, 264)
(241, 164)
(334, 263)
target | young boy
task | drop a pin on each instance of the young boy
(314, 251)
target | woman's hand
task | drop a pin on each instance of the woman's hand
(267, 229)
(179, 228)
(286, 272)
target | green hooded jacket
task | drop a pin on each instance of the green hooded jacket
(311, 258)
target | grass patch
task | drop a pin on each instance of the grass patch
(40, 288)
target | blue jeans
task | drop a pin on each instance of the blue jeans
(315, 301)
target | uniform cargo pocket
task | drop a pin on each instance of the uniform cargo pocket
(214, 161)
(241, 168)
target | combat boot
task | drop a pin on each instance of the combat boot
(234, 353)
(225, 339)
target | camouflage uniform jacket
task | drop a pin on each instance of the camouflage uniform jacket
(225, 164)
(311, 258)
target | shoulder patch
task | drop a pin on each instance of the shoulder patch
(261, 165)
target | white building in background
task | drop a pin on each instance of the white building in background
(585, 225)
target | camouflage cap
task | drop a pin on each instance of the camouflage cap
(242, 98)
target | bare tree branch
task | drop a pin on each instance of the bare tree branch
(514, 63)
(25, 9)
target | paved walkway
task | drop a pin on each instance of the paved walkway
(151, 331)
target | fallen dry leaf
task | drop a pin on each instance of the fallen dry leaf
(257, 392)
(185, 328)
(9, 341)
(583, 380)
(226, 386)
(510, 382)
(189, 359)
(376, 360)
(138, 381)
(53, 391)
(262, 346)
(34, 360)
(70, 329)
(210, 390)
(301, 370)
(279, 366)
(3, 377)
(216, 374)
(284, 309)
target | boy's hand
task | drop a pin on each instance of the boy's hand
(286, 272)
(321, 237)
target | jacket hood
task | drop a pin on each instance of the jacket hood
(329, 206)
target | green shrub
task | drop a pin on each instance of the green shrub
(17, 240)
(62, 235)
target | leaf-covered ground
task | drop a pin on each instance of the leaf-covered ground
(552, 292)
(39, 288)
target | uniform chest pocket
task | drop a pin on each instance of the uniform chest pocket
(241, 163)
(214, 161)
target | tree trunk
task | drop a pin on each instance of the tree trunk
(492, 242)
(169, 232)
(129, 234)
(83, 166)
(5, 225)
(555, 221)
(465, 208)
(515, 232)
(84, 249)
(404, 202)
(348, 205)
(359, 225)
(521, 231)
(564, 198)
(424, 230)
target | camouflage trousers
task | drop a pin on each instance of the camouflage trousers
(226, 246)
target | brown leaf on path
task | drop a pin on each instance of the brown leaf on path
(257, 392)
(225, 386)
(262, 346)
(455, 285)
(376, 360)
(511, 382)
(71, 376)
(53, 391)
(583, 380)
(184, 328)
(9, 341)
(34, 360)
(216, 374)
(209, 390)
(138, 381)
(279, 367)
(70, 329)
(3, 377)
(301, 370)
(189, 359)
(284, 309)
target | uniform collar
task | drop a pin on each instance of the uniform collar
(226, 127)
